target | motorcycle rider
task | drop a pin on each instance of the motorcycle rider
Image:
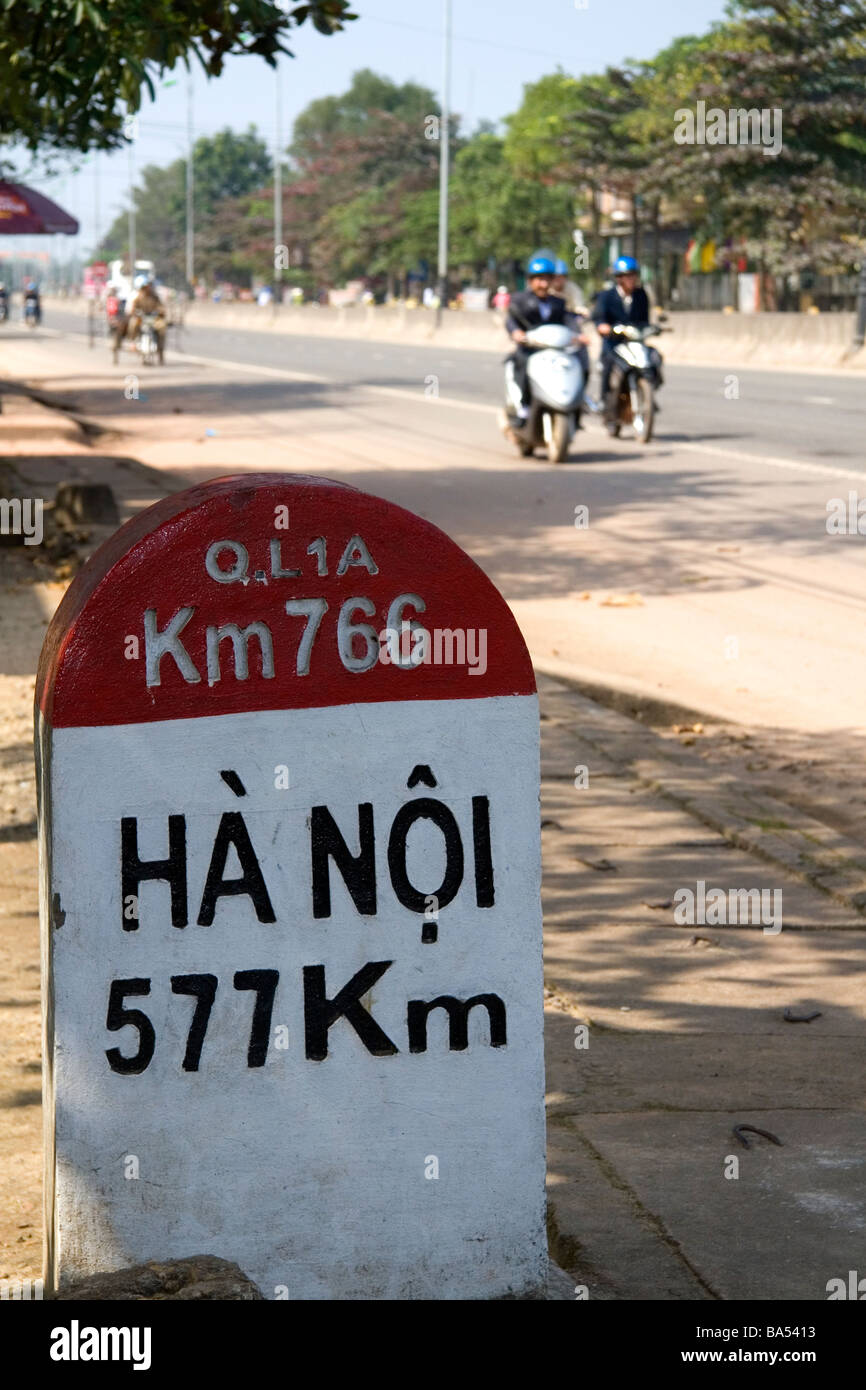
(147, 301)
(31, 296)
(626, 301)
(532, 308)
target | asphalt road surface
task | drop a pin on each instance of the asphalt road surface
(806, 417)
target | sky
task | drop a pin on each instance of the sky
(498, 46)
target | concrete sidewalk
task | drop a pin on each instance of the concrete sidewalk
(686, 1037)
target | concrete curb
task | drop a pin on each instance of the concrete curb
(774, 830)
(633, 699)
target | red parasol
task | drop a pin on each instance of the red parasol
(23, 212)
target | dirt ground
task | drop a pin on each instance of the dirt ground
(33, 580)
(29, 591)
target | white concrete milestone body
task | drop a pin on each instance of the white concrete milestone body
(291, 909)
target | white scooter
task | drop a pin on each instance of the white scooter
(557, 383)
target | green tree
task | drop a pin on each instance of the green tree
(571, 130)
(71, 70)
(226, 166)
(497, 215)
(361, 110)
(357, 163)
(805, 205)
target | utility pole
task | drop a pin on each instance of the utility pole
(132, 211)
(860, 330)
(96, 209)
(278, 194)
(190, 229)
(444, 152)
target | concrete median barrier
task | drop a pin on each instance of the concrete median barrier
(765, 340)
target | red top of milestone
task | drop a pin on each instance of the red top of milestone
(120, 651)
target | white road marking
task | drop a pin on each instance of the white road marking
(402, 393)
(798, 465)
(818, 400)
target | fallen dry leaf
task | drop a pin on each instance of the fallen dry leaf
(622, 601)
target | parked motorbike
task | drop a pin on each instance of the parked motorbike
(4, 310)
(557, 382)
(636, 376)
(147, 340)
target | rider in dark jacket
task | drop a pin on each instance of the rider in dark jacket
(530, 309)
(625, 302)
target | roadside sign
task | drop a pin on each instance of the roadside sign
(95, 279)
(475, 298)
(287, 736)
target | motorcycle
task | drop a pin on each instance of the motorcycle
(636, 376)
(4, 310)
(31, 313)
(557, 382)
(147, 340)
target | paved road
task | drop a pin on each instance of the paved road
(807, 417)
(706, 574)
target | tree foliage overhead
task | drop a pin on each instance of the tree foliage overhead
(71, 70)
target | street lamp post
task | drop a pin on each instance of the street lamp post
(444, 152)
(278, 193)
(190, 227)
(860, 331)
(132, 211)
(96, 208)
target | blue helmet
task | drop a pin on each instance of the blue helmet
(561, 266)
(541, 265)
(626, 265)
